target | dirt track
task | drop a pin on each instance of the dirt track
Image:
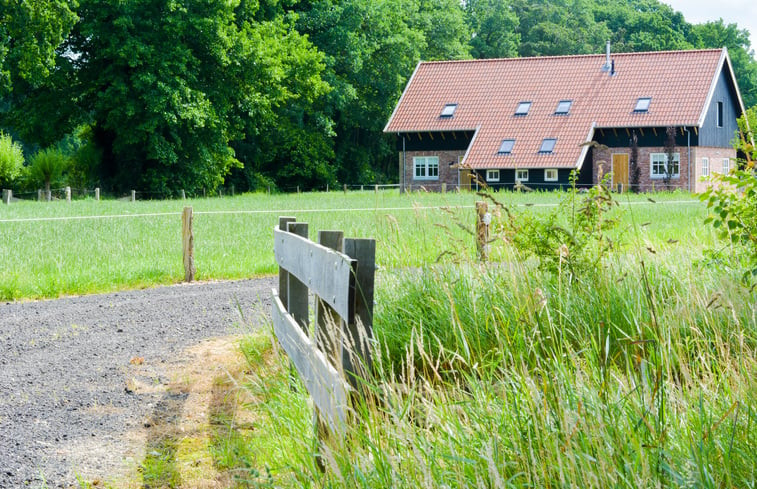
(75, 372)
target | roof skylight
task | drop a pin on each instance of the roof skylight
(548, 145)
(642, 105)
(506, 147)
(523, 108)
(563, 107)
(448, 110)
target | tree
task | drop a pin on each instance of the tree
(47, 166)
(370, 51)
(11, 160)
(30, 33)
(716, 35)
(494, 26)
(171, 85)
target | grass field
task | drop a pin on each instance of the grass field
(59, 248)
(640, 371)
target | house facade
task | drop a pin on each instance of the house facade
(534, 121)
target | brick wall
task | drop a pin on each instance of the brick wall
(446, 174)
(603, 159)
(716, 157)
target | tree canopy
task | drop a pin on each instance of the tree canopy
(194, 94)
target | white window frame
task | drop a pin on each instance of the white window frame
(521, 175)
(546, 175)
(492, 175)
(705, 167)
(564, 104)
(662, 159)
(719, 114)
(726, 165)
(519, 110)
(448, 111)
(427, 165)
(642, 104)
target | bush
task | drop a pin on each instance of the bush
(11, 160)
(48, 166)
(732, 201)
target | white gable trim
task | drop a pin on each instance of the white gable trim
(470, 145)
(586, 145)
(403, 95)
(724, 59)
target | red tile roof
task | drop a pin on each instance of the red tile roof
(488, 92)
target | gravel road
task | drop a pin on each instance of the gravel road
(66, 367)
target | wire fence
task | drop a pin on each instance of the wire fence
(74, 193)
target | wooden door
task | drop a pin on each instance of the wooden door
(620, 171)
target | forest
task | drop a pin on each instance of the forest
(163, 95)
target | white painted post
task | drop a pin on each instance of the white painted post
(7, 196)
(68, 194)
(183, 195)
(40, 195)
(133, 195)
(97, 193)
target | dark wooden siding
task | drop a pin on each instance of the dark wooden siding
(710, 134)
(535, 179)
(647, 137)
(435, 141)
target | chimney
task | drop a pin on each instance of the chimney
(608, 63)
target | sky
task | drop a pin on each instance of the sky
(741, 12)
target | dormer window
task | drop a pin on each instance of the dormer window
(506, 147)
(642, 105)
(448, 110)
(523, 108)
(563, 107)
(547, 145)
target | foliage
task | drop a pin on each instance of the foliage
(732, 200)
(47, 166)
(494, 26)
(30, 33)
(180, 94)
(11, 160)
(576, 244)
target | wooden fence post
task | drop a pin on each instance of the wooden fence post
(40, 195)
(483, 219)
(48, 195)
(232, 190)
(188, 244)
(183, 195)
(133, 195)
(358, 336)
(7, 196)
(68, 194)
(375, 189)
(283, 274)
(345, 188)
(97, 193)
(297, 295)
(444, 188)
(327, 339)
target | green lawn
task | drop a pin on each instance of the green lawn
(59, 248)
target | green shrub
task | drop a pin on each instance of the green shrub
(732, 201)
(48, 166)
(11, 159)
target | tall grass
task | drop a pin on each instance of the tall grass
(642, 373)
(233, 236)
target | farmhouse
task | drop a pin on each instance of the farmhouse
(535, 120)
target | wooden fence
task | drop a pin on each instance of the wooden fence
(336, 356)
